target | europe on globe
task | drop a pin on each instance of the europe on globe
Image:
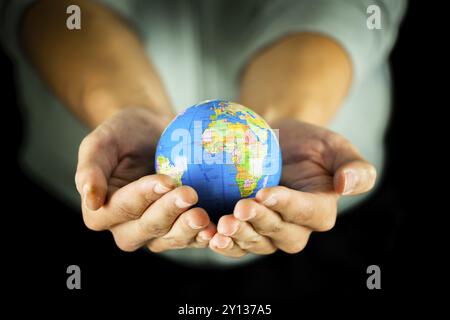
(224, 150)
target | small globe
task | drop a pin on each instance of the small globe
(223, 150)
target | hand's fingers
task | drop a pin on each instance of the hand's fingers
(183, 233)
(244, 235)
(226, 246)
(352, 174)
(97, 157)
(204, 236)
(156, 221)
(354, 178)
(315, 211)
(128, 202)
(286, 236)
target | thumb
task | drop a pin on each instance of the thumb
(352, 174)
(96, 160)
(92, 186)
(354, 178)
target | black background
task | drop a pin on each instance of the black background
(395, 229)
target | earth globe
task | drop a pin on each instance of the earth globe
(223, 150)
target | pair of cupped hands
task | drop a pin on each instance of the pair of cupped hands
(120, 193)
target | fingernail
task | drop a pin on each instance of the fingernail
(232, 230)
(204, 237)
(194, 225)
(160, 188)
(271, 201)
(222, 242)
(86, 198)
(180, 203)
(349, 182)
(244, 217)
(252, 214)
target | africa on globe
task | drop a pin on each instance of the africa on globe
(223, 150)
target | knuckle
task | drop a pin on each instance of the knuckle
(171, 212)
(305, 215)
(149, 198)
(167, 204)
(153, 229)
(175, 242)
(127, 212)
(272, 229)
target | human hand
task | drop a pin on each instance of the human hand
(318, 167)
(120, 194)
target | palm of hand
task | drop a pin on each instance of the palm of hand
(318, 166)
(120, 195)
(147, 210)
(306, 160)
(131, 149)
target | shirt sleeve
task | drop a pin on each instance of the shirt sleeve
(344, 21)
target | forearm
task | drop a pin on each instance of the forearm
(302, 76)
(95, 71)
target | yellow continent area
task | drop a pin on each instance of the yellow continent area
(256, 123)
(245, 142)
(164, 166)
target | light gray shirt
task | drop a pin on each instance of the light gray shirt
(199, 48)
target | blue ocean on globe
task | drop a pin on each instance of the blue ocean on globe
(223, 150)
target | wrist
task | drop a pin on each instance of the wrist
(302, 76)
(102, 102)
(304, 110)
